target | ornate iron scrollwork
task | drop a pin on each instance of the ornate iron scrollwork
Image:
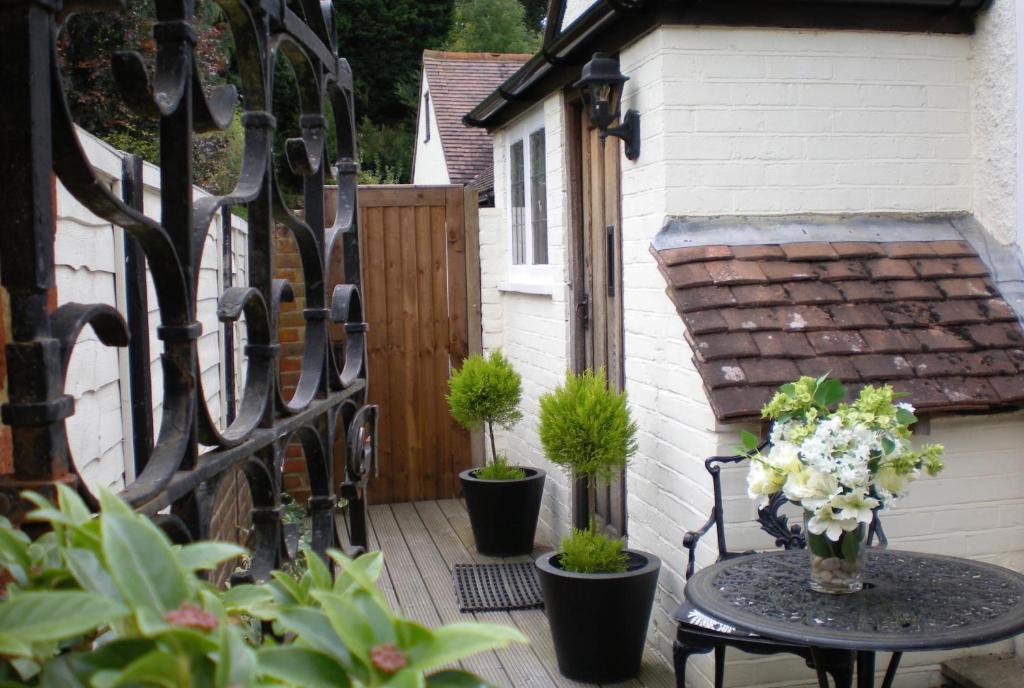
(38, 141)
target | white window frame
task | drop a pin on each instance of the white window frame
(526, 277)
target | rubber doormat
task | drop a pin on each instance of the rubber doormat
(497, 587)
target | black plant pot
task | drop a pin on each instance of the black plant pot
(503, 513)
(599, 620)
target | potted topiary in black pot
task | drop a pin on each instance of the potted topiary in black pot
(598, 594)
(503, 500)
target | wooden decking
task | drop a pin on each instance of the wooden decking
(421, 542)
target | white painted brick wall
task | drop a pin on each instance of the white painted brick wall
(745, 121)
(530, 328)
(89, 257)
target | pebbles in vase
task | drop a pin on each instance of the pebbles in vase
(835, 570)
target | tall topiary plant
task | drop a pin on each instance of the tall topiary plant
(585, 428)
(487, 391)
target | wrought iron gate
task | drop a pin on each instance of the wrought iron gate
(175, 481)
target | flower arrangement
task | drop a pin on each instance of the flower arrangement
(839, 461)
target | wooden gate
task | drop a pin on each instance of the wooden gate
(422, 294)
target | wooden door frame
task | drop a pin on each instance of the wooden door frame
(572, 114)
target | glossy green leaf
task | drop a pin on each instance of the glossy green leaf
(456, 679)
(362, 576)
(246, 598)
(75, 670)
(56, 614)
(318, 571)
(406, 679)
(455, 641)
(749, 440)
(348, 622)
(905, 417)
(818, 544)
(829, 392)
(14, 545)
(851, 543)
(14, 647)
(302, 667)
(289, 586)
(88, 570)
(139, 558)
(155, 668)
(314, 628)
(205, 556)
(235, 661)
(72, 505)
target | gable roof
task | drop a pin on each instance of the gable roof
(457, 82)
(923, 315)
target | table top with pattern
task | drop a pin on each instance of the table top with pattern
(910, 601)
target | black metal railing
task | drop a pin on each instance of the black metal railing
(178, 471)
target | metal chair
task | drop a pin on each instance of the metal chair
(698, 633)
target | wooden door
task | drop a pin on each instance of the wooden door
(421, 289)
(597, 231)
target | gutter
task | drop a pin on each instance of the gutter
(608, 25)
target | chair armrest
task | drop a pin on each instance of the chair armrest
(690, 540)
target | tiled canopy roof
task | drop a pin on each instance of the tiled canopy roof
(458, 81)
(924, 316)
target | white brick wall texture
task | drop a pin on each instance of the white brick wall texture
(89, 257)
(756, 121)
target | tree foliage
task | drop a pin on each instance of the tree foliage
(485, 390)
(492, 26)
(586, 428)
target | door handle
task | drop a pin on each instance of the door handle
(583, 310)
(611, 259)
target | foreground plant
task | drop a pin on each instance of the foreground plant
(841, 462)
(107, 600)
(585, 428)
(487, 391)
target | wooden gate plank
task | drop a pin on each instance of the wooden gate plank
(441, 324)
(418, 473)
(458, 333)
(396, 365)
(426, 393)
(374, 290)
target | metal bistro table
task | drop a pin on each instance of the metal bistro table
(911, 602)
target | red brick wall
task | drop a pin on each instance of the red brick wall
(291, 331)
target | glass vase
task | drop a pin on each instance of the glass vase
(837, 567)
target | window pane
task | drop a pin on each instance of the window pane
(517, 202)
(539, 198)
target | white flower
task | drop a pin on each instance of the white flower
(825, 521)
(855, 505)
(785, 456)
(905, 406)
(889, 482)
(811, 488)
(762, 482)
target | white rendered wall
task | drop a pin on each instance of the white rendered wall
(429, 165)
(745, 121)
(89, 256)
(531, 328)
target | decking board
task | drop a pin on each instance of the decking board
(421, 542)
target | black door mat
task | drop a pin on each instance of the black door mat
(497, 587)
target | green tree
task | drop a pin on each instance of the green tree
(586, 428)
(492, 26)
(485, 391)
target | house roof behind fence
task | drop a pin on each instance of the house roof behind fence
(457, 82)
(921, 310)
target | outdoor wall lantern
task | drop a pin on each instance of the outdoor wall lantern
(600, 85)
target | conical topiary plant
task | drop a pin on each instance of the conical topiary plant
(487, 391)
(585, 428)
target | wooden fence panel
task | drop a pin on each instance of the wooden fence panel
(419, 307)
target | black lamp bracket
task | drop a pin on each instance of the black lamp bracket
(629, 132)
